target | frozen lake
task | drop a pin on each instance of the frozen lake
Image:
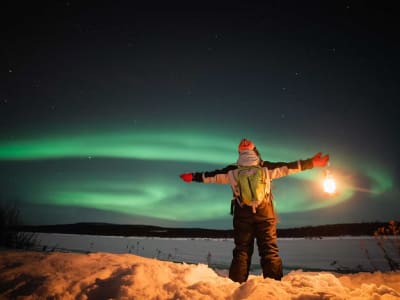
(351, 254)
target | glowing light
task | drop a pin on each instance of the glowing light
(329, 183)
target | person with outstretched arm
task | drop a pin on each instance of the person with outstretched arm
(254, 219)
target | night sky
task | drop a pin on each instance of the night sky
(102, 106)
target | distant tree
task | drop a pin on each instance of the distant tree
(388, 240)
(9, 217)
(9, 221)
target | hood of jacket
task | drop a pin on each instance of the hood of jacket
(248, 158)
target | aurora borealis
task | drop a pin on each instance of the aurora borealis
(103, 107)
(136, 175)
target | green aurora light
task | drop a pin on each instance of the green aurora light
(161, 195)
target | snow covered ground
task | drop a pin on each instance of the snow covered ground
(57, 275)
(109, 267)
(326, 254)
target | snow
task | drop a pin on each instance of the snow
(57, 275)
(320, 254)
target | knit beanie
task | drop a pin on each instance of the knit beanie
(246, 144)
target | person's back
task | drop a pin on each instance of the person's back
(250, 182)
(254, 220)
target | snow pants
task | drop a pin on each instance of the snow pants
(259, 226)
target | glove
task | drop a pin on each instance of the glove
(187, 177)
(320, 161)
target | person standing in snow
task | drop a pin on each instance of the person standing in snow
(255, 221)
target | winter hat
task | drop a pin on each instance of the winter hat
(248, 155)
(246, 144)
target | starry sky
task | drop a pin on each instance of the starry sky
(103, 105)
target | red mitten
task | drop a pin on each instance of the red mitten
(187, 177)
(320, 161)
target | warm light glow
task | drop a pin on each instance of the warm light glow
(329, 185)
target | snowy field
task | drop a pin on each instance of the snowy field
(327, 254)
(55, 275)
(138, 268)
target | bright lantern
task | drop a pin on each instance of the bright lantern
(329, 185)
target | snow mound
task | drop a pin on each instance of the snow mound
(37, 275)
